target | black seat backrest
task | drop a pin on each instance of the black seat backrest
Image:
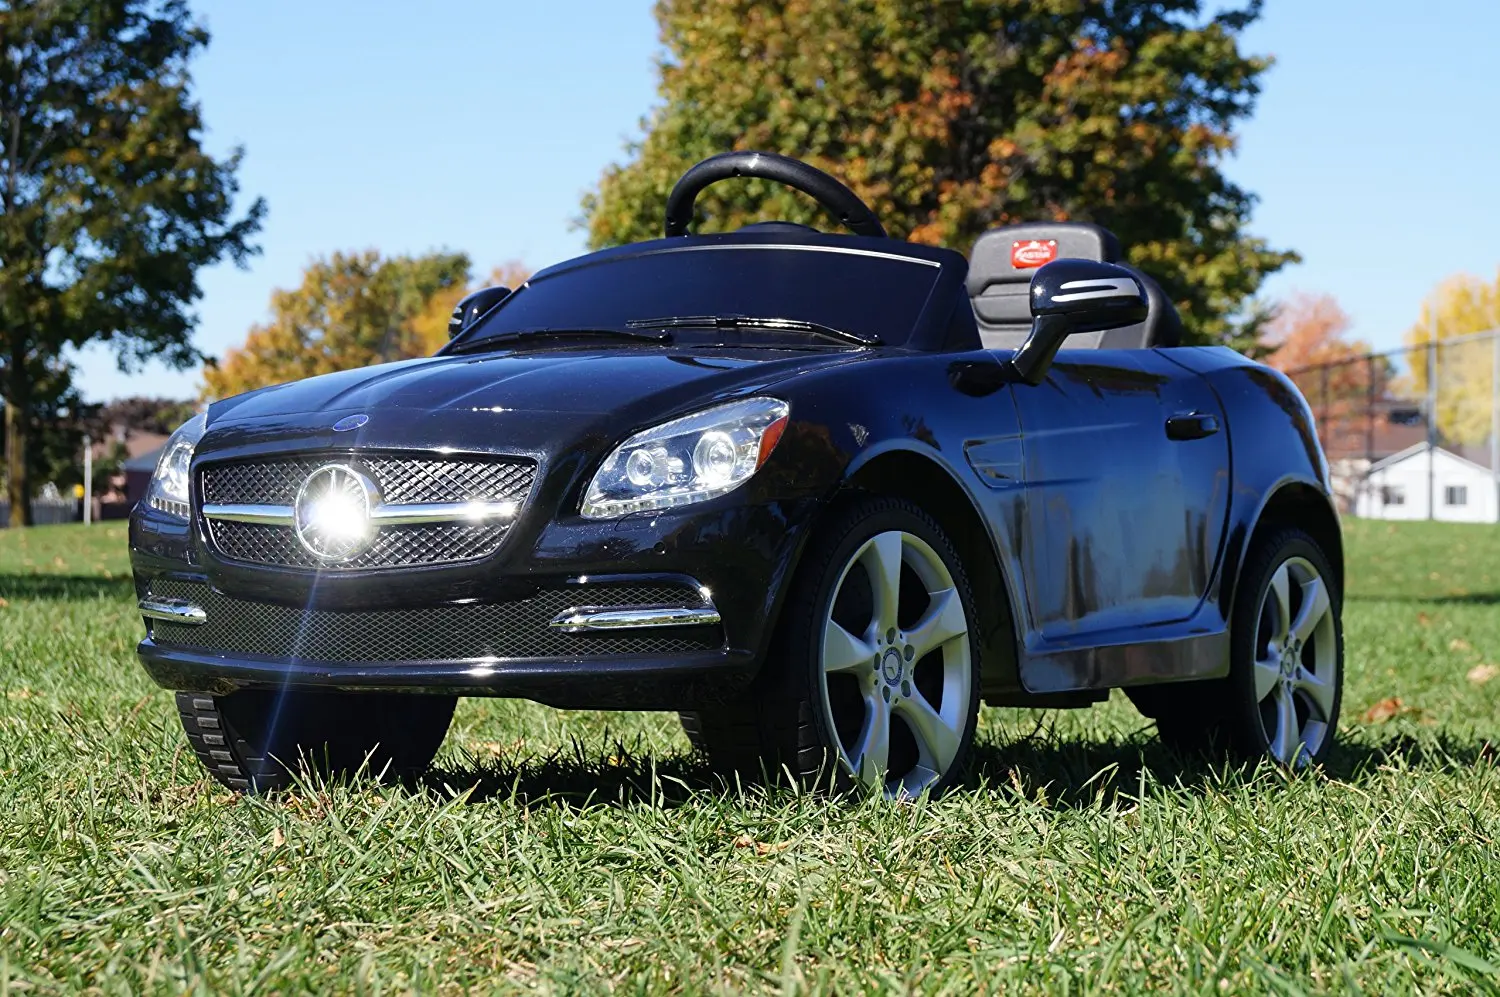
(1000, 270)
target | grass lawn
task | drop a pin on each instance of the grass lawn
(585, 852)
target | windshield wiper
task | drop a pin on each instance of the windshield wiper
(755, 322)
(547, 332)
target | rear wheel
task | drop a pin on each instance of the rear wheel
(1281, 698)
(873, 680)
(253, 741)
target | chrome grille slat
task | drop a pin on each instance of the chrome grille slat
(501, 630)
(402, 481)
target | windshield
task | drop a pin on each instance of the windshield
(873, 295)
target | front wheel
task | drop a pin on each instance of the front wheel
(254, 741)
(874, 679)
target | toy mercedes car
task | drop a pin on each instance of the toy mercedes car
(820, 493)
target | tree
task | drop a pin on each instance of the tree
(1460, 306)
(351, 310)
(1341, 378)
(158, 416)
(110, 204)
(952, 118)
(430, 327)
(54, 425)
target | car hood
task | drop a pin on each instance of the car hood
(535, 401)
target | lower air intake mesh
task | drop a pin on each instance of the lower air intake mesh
(501, 630)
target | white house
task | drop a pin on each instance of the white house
(1399, 487)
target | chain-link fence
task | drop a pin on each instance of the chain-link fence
(1413, 433)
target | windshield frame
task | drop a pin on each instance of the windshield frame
(926, 332)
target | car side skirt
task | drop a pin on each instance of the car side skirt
(1136, 662)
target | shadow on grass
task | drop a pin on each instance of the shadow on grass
(44, 587)
(575, 777)
(1067, 774)
(1072, 774)
(1466, 599)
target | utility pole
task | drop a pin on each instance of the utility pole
(88, 480)
(1495, 416)
(1432, 429)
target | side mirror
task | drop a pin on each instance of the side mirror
(1069, 296)
(473, 307)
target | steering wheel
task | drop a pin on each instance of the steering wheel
(833, 196)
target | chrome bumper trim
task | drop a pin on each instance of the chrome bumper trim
(267, 515)
(382, 515)
(442, 512)
(582, 619)
(172, 611)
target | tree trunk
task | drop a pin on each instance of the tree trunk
(17, 434)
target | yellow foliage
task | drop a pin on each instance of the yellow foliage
(351, 310)
(1461, 306)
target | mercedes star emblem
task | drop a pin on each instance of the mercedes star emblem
(332, 513)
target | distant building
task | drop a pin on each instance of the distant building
(137, 451)
(1400, 486)
(138, 471)
(1355, 443)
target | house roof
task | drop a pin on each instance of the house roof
(144, 462)
(1418, 449)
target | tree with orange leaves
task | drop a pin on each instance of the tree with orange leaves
(351, 310)
(1307, 338)
(952, 118)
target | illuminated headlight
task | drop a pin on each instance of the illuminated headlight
(687, 460)
(168, 492)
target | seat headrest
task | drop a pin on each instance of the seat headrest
(1006, 255)
(1001, 266)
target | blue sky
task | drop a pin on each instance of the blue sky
(478, 125)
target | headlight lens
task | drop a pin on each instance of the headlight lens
(168, 492)
(687, 460)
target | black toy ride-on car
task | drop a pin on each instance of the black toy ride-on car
(821, 494)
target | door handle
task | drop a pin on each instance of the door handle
(1192, 426)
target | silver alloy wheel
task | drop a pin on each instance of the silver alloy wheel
(1296, 662)
(913, 681)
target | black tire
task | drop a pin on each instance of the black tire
(780, 727)
(1227, 715)
(254, 741)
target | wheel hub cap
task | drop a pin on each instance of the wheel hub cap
(891, 667)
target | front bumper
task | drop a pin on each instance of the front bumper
(532, 621)
(628, 682)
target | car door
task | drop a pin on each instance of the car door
(1127, 490)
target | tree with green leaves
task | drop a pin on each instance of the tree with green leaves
(110, 203)
(137, 414)
(351, 310)
(953, 118)
(55, 425)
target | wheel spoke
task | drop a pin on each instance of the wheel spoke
(943, 621)
(844, 652)
(882, 559)
(937, 741)
(1319, 690)
(1267, 673)
(1287, 740)
(1281, 592)
(872, 758)
(1314, 607)
(916, 781)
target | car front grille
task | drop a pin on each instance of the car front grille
(402, 480)
(515, 629)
